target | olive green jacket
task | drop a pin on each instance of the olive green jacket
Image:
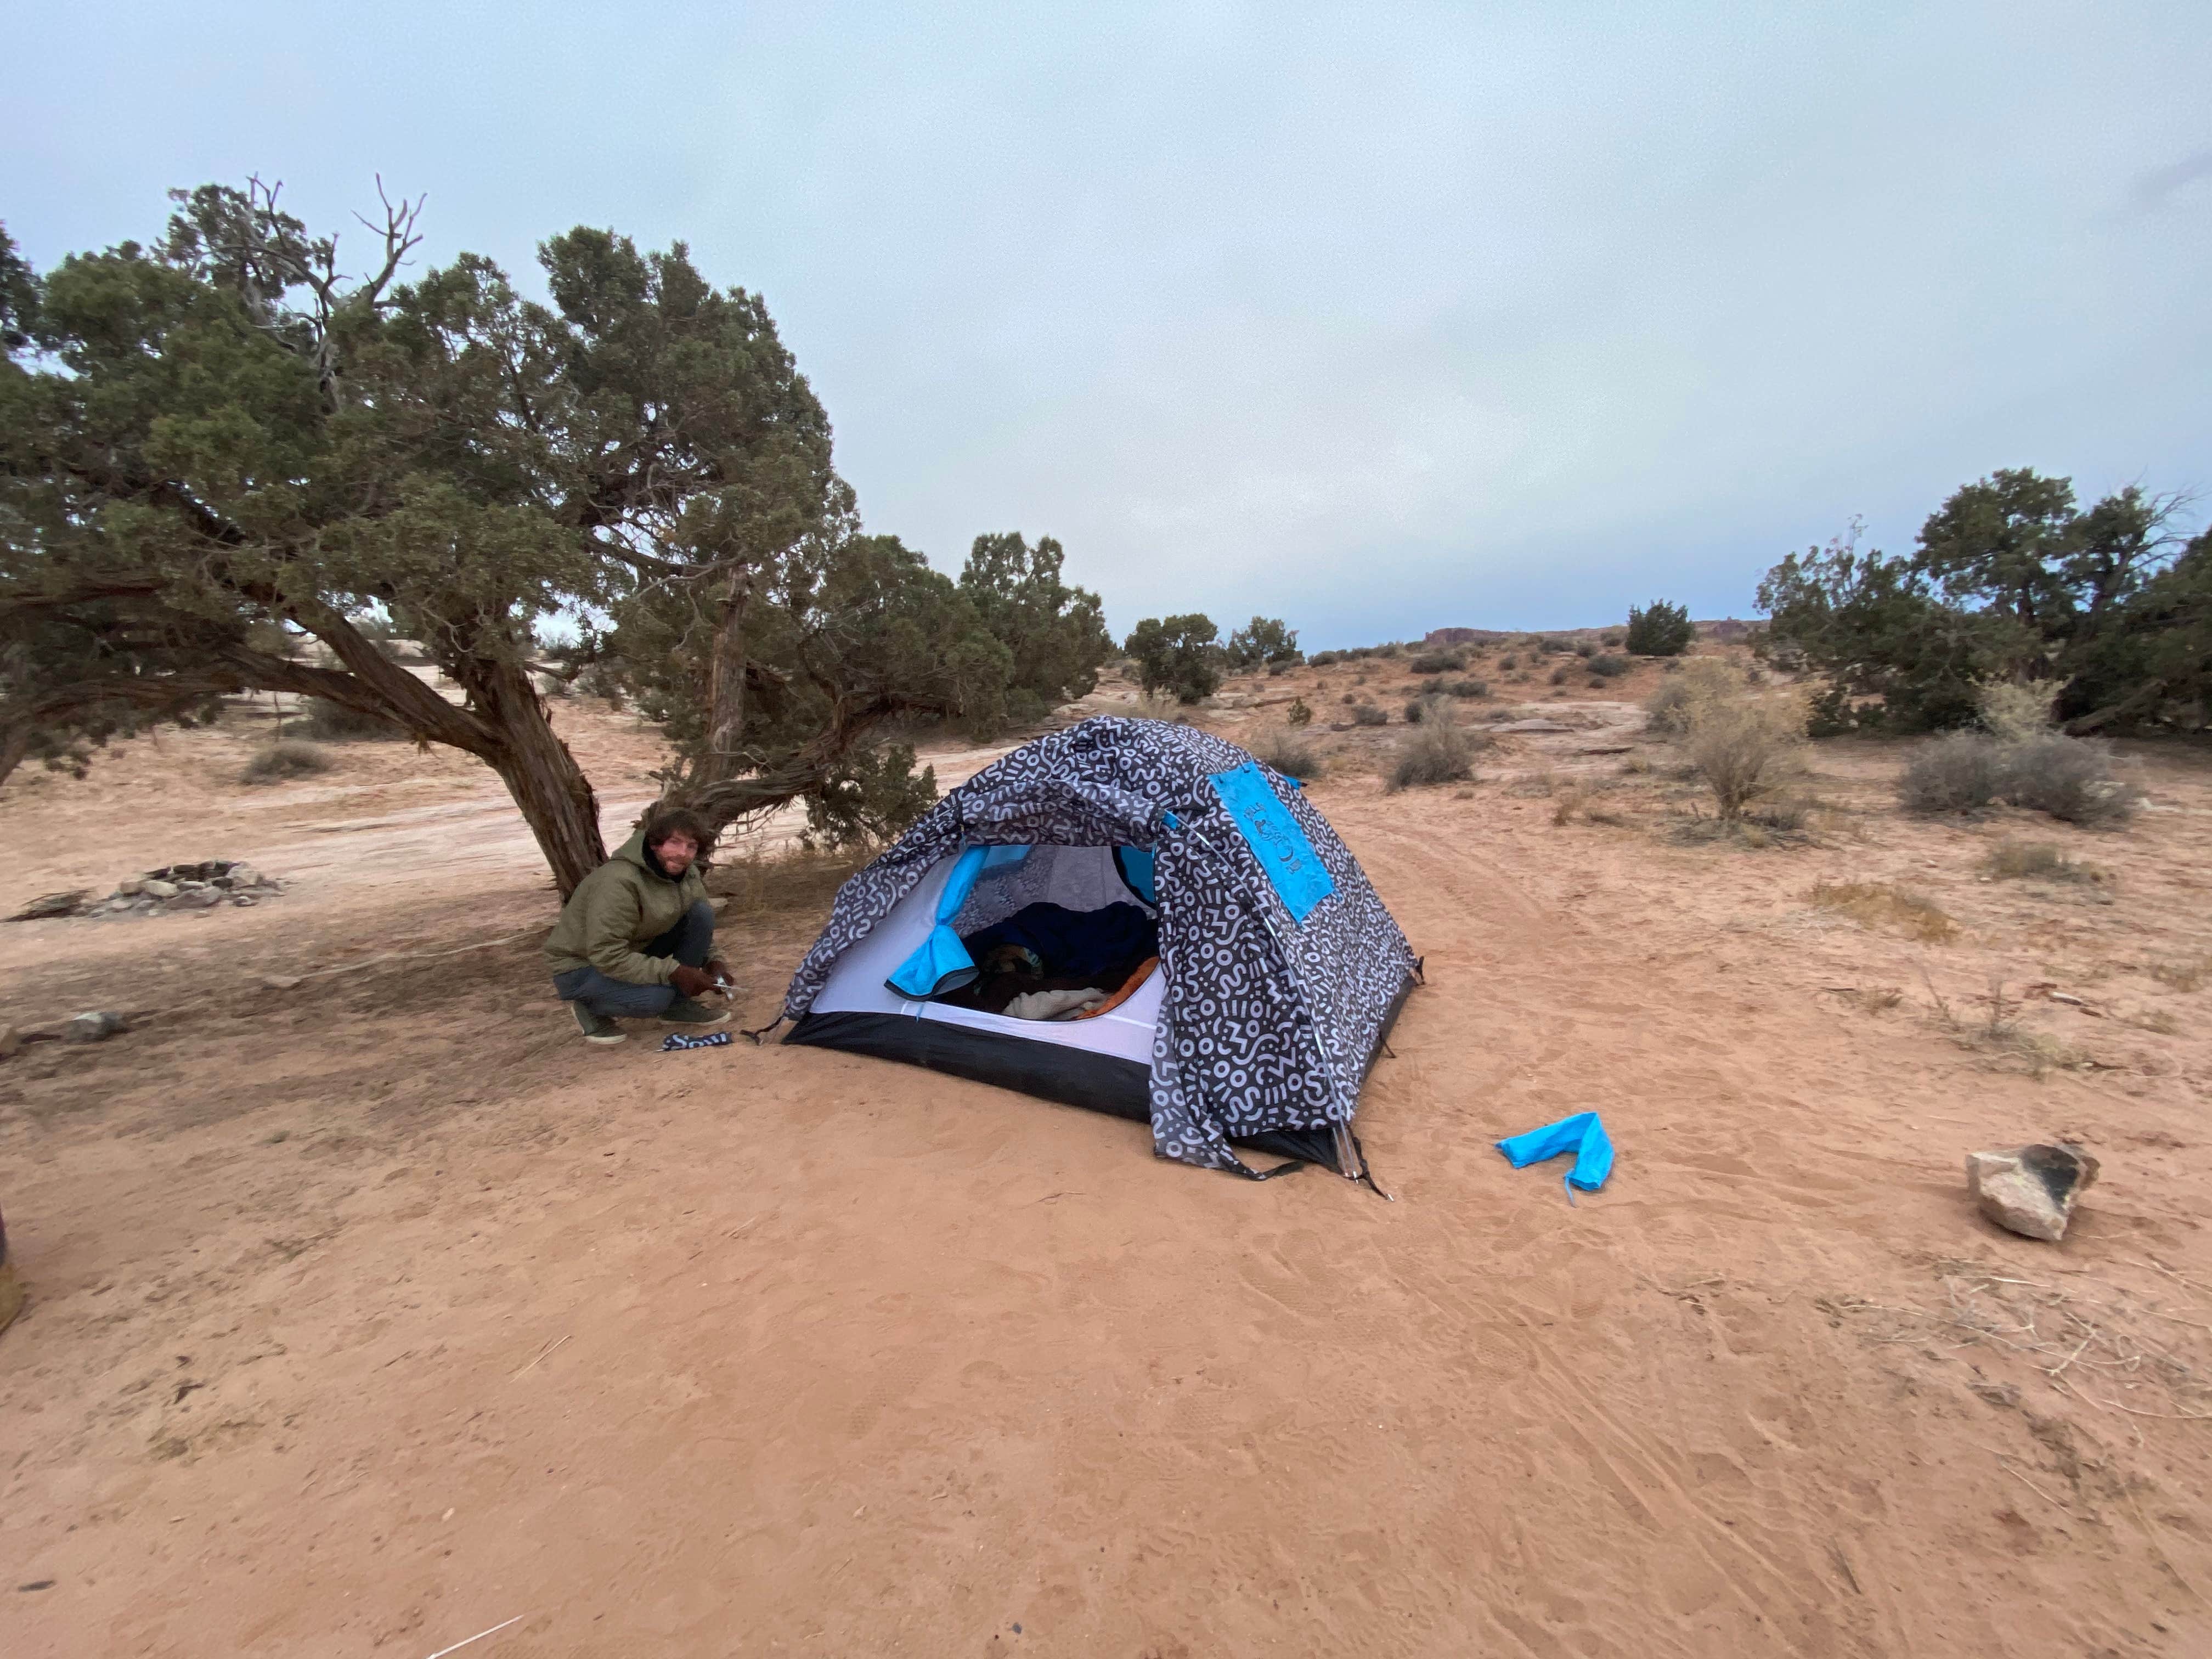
(617, 908)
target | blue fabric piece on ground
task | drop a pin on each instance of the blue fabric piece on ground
(1581, 1135)
(1295, 869)
(1074, 944)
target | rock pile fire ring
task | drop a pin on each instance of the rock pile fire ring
(174, 887)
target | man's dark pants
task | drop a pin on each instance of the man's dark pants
(688, 941)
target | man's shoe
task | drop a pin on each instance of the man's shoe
(597, 1028)
(685, 1012)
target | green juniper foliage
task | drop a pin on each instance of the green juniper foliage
(1178, 655)
(2106, 607)
(1662, 630)
(220, 446)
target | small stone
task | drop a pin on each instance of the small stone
(244, 875)
(156, 887)
(280, 981)
(130, 887)
(2030, 1190)
(241, 901)
(92, 1027)
(194, 898)
(11, 1041)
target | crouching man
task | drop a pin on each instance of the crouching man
(636, 939)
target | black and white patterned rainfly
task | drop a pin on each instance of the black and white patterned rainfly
(1280, 972)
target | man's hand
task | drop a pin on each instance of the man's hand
(693, 982)
(720, 971)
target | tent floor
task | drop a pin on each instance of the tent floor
(1050, 1070)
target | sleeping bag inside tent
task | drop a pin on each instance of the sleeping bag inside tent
(1129, 916)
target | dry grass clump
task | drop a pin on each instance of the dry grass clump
(1289, 750)
(281, 761)
(2121, 1351)
(1958, 771)
(2070, 778)
(2038, 860)
(1367, 713)
(1438, 751)
(1742, 743)
(789, 879)
(1161, 705)
(1885, 904)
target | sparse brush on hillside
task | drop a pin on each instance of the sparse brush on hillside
(1438, 751)
(284, 760)
(1367, 713)
(333, 722)
(1742, 743)
(1290, 752)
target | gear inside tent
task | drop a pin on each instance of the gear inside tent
(1132, 916)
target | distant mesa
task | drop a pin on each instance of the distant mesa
(1726, 627)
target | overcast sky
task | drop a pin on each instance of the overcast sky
(1376, 317)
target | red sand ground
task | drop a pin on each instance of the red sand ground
(370, 1313)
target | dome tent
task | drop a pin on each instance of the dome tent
(1279, 970)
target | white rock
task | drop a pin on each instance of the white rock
(159, 890)
(244, 875)
(2030, 1190)
(130, 887)
(92, 1027)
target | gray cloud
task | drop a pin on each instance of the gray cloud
(2155, 188)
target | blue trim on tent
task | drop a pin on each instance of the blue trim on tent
(941, 962)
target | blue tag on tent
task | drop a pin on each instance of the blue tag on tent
(1299, 877)
(1581, 1135)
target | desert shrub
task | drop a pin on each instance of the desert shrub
(1468, 688)
(2070, 778)
(333, 722)
(2036, 860)
(1560, 676)
(1436, 751)
(1297, 713)
(1608, 666)
(1367, 713)
(1323, 659)
(289, 758)
(1161, 705)
(1290, 752)
(1351, 697)
(1392, 649)
(1509, 661)
(1178, 654)
(1740, 744)
(1611, 638)
(1438, 662)
(1878, 904)
(1584, 648)
(1277, 670)
(1413, 710)
(1552, 648)
(1958, 771)
(1664, 630)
